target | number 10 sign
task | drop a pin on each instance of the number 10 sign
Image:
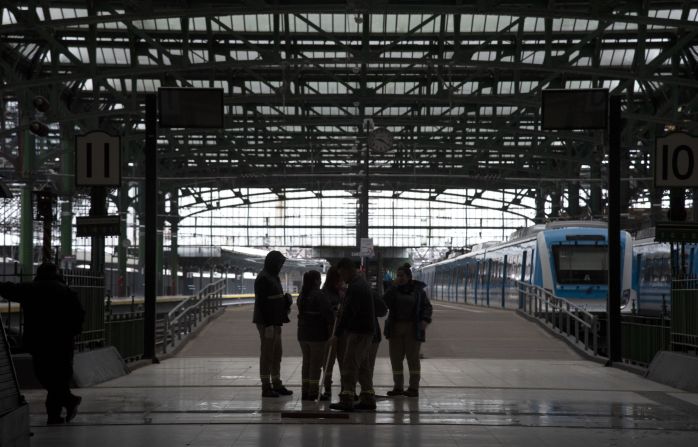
(676, 161)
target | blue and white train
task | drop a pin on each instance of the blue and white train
(652, 271)
(568, 258)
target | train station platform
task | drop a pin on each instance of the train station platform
(490, 378)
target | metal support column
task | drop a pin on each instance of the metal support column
(540, 206)
(174, 245)
(151, 208)
(573, 199)
(614, 254)
(124, 243)
(595, 193)
(26, 230)
(67, 189)
(98, 207)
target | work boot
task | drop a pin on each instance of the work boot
(367, 401)
(395, 392)
(54, 420)
(346, 403)
(412, 392)
(282, 391)
(268, 391)
(72, 408)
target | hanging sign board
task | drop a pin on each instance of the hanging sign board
(575, 109)
(190, 107)
(97, 159)
(97, 226)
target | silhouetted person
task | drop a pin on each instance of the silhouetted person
(271, 309)
(315, 321)
(335, 290)
(405, 329)
(53, 315)
(356, 325)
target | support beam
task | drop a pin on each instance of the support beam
(614, 252)
(67, 189)
(27, 159)
(150, 226)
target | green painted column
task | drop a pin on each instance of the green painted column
(26, 230)
(174, 225)
(158, 264)
(122, 249)
(596, 195)
(573, 200)
(159, 247)
(67, 189)
(541, 197)
(141, 243)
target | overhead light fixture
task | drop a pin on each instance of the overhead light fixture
(39, 129)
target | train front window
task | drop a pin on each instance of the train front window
(581, 264)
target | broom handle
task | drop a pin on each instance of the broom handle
(329, 351)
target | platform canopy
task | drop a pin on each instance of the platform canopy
(454, 87)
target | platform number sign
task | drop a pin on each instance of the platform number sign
(97, 159)
(676, 161)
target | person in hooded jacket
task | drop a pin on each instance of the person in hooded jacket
(271, 309)
(315, 321)
(409, 314)
(53, 316)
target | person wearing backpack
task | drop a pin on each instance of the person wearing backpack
(53, 316)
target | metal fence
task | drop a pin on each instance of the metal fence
(184, 318)
(561, 315)
(125, 332)
(684, 315)
(642, 337)
(90, 290)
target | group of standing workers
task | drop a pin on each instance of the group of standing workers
(340, 321)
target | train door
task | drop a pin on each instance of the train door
(476, 281)
(487, 280)
(465, 282)
(504, 279)
(637, 280)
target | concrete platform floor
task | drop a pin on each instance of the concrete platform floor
(490, 378)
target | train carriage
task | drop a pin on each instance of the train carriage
(569, 259)
(652, 271)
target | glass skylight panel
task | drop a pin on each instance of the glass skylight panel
(484, 56)
(148, 85)
(198, 56)
(79, 52)
(610, 84)
(197, 24)
(403, 23)
(673, 14)
(492, 23)
(534, 24)
(8, 18)
(67, 13)
(243, 55)
(28, 49)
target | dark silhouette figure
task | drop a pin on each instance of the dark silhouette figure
(271, 310)
(405, 329)
(315, 320)
(53, 316)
